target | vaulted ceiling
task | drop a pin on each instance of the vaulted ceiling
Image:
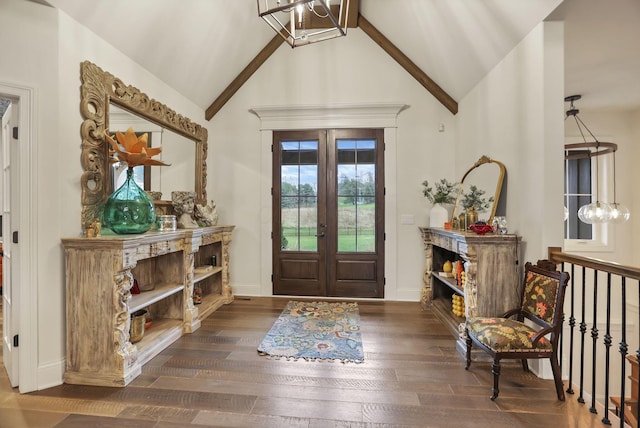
(200, 46)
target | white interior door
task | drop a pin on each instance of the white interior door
(10, 352)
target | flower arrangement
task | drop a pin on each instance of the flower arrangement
(444, 192)
(474, 198)
(135, 151)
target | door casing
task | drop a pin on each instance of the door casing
(329, 272)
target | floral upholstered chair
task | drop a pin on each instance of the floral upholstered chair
(510, 338)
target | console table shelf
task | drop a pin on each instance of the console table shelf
(99, 276)
(449, 282)
(146, 298)
(200, 277)
(442, 309)
(491, 263)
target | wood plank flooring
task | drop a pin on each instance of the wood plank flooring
(412, 377)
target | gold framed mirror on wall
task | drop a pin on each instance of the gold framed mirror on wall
(489, 179)
(100, 91)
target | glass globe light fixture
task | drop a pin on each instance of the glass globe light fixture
(595, 212)
(619, 213)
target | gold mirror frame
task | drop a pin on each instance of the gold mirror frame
(496, 198)
(99, 89)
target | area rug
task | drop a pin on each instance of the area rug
(316, 331)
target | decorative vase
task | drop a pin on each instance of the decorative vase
(471, 216)
(462, 221)
(136, 329)
(438, 216)
(129, 209)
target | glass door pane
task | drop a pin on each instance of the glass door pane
(299, 195)
(356, 193)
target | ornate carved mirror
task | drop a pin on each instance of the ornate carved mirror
(487, 175)
(184, 142)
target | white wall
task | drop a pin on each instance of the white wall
(28, 26)
(45, 53)
(351, 70)
(515, 115)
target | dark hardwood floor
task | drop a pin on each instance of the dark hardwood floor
(412, 376)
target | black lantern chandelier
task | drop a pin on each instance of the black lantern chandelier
(301, 22)
(598, 211)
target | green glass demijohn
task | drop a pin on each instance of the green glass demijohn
(129, 209)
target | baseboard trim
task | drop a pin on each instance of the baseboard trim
(50, 375)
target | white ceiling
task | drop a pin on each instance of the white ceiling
(200, 46)
(602, 52)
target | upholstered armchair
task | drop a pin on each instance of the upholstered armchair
(509, 337)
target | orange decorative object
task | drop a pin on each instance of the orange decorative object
(135, 152)
(459, 270)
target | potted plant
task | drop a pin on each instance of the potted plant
(473, 202)
(444, 193)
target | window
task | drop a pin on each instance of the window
(580, 189)
(577, 192)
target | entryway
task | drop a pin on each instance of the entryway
(8, 157)
(328, 213)
(19, 290)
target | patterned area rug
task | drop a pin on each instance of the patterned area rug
(316, 331)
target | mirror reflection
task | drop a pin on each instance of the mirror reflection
(178, 151)
(184, 142)
(486, 175)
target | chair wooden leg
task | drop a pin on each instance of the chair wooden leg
(557, 377)
(469, 344)
(495, 369)
(525, 364)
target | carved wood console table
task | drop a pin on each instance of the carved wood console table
(99, 277)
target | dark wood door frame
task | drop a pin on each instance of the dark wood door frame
(330, 272)
(299, 273)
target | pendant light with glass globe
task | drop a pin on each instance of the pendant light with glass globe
(595, 212)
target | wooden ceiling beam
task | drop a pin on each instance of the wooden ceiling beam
(407, 64)
(368, 29)
(244, 75)
(259, 59)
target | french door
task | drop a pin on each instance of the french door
(328, 213)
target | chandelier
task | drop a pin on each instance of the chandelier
(301, 22)
(598, 211)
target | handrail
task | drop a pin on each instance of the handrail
(556, 255)
(585, 319)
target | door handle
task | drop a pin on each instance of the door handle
(320, 235)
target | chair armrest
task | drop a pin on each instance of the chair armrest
(540, 334)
